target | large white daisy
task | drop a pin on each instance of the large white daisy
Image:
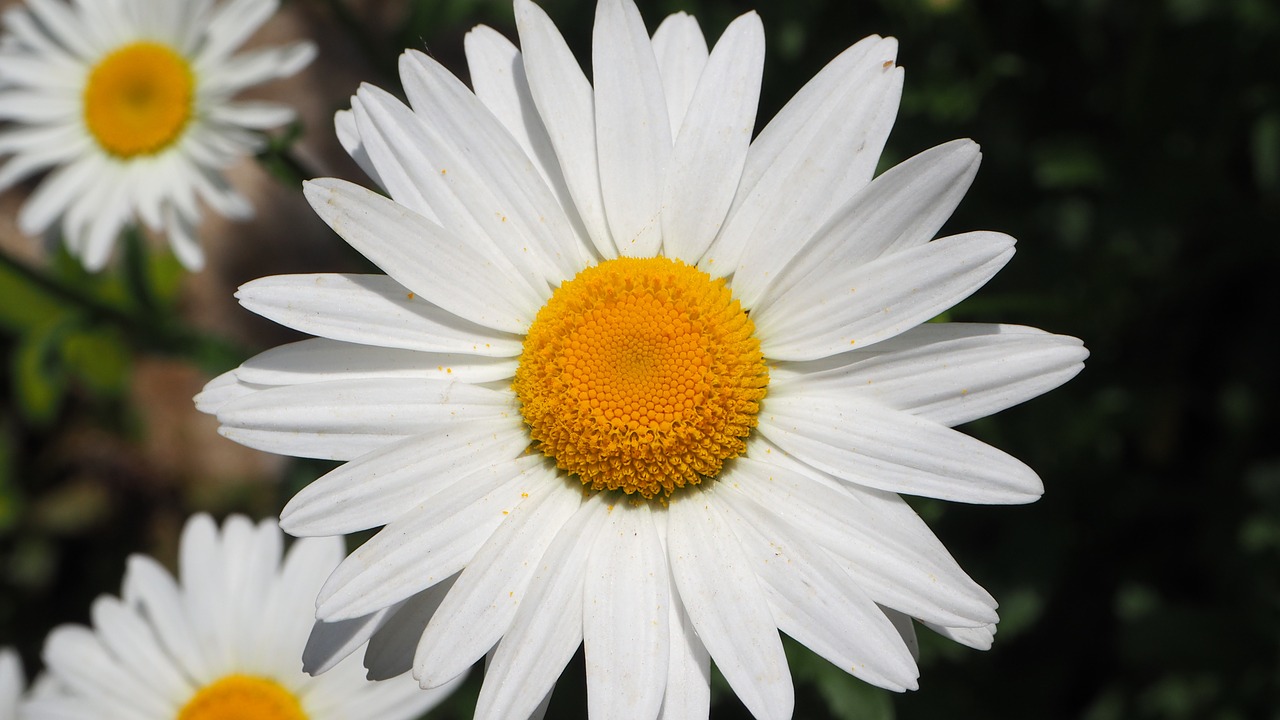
(636, 381)
(129, 102)
(222, 643)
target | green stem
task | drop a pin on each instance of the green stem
(148, 330)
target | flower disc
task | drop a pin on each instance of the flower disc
(642, 375)
(243, 697)
(138, 99)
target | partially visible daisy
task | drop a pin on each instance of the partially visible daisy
(12, 683)
(224, 641)
(129, 103)
(636, 381)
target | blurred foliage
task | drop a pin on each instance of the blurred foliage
(1133, 147)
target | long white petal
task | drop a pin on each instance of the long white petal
(344, 419)
(633, 132)
(712, 574)
(681, 51)
(375, 489)
(322, 360)
(426, 258)
(370, 310)
(847, 308)
(625, 613)
(706, 163)
(867, 444)
(950, 373)
(566, 105)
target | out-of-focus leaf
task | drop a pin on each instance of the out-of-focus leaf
(39, 375)
(99, 358)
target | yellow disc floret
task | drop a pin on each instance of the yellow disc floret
(642, 375)
(243, 697)
(138, 99)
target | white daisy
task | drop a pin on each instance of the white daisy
(129, 102)
(225, 641)
(552, 402)
(12, 684)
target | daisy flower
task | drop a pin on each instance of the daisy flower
(224, 641)
(636, 381)
(129, 104)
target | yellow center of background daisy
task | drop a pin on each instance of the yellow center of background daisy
(139, 99)
(243, 697)
(642, 375)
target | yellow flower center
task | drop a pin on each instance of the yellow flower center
(139, 99)
(642, 375)
(243, 697)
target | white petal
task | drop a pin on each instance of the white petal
(375, 489)
(489, 174)
(566, 105)
(254, 115)
(126, 635)
(846, 308)
(343, 419)
(890, 551)
(950, 373)
(321, 360)
(151, 589)
(727, 606)
(979, 638)
(902, 208)
(76, 657)
(816, 602)
(688, 695)
(498, 76)
(681, 52)
(625, 613)
(344, 125)
(228, 77)
(547, 628)
(711, 148)
(866, 444)
(371, 310)
(633, 131)
(426, 258)
(488, 593)
(430, 541)
(232, 24)
(819, 150)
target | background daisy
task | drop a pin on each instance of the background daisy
(570, 268)
(224, 640)
(129, 104)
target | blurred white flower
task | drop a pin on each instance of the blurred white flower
(129, 104)
(225, 641)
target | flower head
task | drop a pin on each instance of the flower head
(224, 641)
(129, 103)
(636, 381)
